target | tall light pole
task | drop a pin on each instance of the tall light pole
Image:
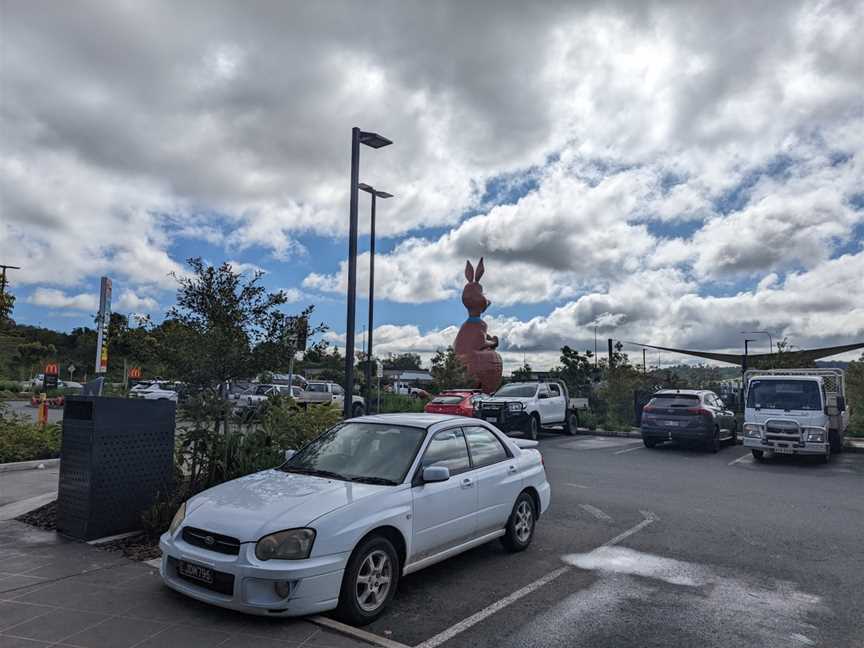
(373, 140)
(375, 194)
(770, 338)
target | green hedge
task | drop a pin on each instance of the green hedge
(396, 403)
(23, 440)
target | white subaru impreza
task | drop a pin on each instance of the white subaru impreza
(338, 524)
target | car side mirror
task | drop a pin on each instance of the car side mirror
(432, 474)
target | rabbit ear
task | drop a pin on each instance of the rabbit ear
(480, 270)
(469, 271)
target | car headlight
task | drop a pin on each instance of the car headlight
(752, 430)
(814, 434)
(292, 544)
(179, 516)
(515, 407)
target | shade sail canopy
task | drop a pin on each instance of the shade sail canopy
(763, 360)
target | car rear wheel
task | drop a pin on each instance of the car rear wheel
(571, 424)
(520, 526)
(714, 444)
(357, 410)
(370, 581)
(649, 443)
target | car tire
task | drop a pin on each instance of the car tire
(714, 443)
(826, 458)
(758, 455)
(357, 410)
(520, 525)
(571, 424)
(735, 433)
(533, 427)
(649, 443)
(374, 564)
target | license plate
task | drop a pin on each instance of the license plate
(670, 423)
(783, 450)
(195, 572)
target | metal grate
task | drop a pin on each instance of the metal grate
(211, 541)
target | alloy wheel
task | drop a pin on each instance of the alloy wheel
(524, 523)
(373, 581)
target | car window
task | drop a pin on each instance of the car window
(447, 400)
(485, 447)
(674, 400)
(447, 449)
(338, 390)
(316, 387)
(517, 391)
(555, 390)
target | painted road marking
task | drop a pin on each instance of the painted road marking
(636, 447)
(741, 458)
(577, 485)
(474, 619)
(596, 512)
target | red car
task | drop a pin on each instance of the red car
(459, 402)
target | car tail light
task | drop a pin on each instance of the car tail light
(699, 410)
(648, 408)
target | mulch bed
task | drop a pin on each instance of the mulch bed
(137, 547)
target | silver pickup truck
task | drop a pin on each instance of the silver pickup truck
(329, 393)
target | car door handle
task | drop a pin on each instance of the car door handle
(467, 482)
(511, 469)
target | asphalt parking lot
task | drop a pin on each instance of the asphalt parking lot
(664, 547)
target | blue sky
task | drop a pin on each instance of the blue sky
(661, 175)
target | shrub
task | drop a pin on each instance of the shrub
(394, 403)
(292, 427)
(23, 440)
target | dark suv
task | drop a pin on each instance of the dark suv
(687, 416)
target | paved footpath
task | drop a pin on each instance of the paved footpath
(62, 593)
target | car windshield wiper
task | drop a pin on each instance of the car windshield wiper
(314, 472)
(373, 480)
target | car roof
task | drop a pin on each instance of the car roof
(412, 419)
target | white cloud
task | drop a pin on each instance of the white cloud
(57, 299)
(129, 302)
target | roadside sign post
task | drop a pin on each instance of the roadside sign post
(50, 377)
(71, 369)
(379, 372)
(102, 321)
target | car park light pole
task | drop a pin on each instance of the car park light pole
(375, 194)
(373, 140)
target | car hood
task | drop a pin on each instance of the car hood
(506, 399)
(253, 506)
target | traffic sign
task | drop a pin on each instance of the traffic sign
(380, 369)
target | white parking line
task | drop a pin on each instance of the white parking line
(741, 458)
(356, 632)
(637, 447)
(577, 485)
(596, 512)
(474, 619)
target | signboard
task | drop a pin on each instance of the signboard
(49, 381)
(380, 368)
(296, 333)
(135, 373)
(102, 320)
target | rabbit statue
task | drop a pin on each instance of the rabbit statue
(473, 346)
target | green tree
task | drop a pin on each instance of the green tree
(577, 371)
(448, 371)
(404, 361)
(522, 374)
(855, 396)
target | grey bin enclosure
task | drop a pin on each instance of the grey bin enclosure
(116, 455)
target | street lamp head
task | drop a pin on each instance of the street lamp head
(374, 140)
(371, 190)
(383, 194)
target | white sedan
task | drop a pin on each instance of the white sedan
(370, 500)
(155, 391)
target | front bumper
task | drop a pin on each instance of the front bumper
(314, 583)
(786, 447)
(505, 419)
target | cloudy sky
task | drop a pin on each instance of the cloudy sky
(667, 172)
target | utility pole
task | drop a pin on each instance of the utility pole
(644, 362)
(595, 346)
(611, 357)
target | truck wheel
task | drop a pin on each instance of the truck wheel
(571, 424)
(714, 443)
(357, 410)
(826, 458)
(758, 455)
(533, 427)
(835, 441)
(649, 443)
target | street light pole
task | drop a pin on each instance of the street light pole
(373, 140)
(375, 195)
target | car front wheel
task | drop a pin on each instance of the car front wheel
(370, 580)
(520, 526)
(533, 427)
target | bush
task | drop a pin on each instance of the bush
(23, 440)
(588, 419)
(292, 427)
(10, 386)
(395, 403)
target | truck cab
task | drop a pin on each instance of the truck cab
(796, 412)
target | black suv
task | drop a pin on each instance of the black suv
(688, 416)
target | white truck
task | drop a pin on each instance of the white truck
(330, 393)
(530, 406)
(795, 412)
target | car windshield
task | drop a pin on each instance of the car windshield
(364, 452)
(261, 390)
(316, 387)
(784, 395)
(674, 400)
(447, 400)
(517, 391)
